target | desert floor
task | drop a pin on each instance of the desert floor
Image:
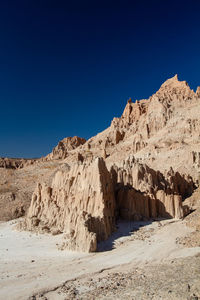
(139, 261)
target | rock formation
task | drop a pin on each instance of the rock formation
(80, 202)
(64, 146)
(151, 115)
(143, 193)
(59, 152)
(198, 91)
(15, 163)
(85, 200)
(92, 183)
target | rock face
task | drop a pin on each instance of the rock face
(133, 111)
(80, 202)
(85, 201)
(143, 193)
(151, 115)
(15, 163)
(95, 182)
(64, 146)
(198, 91)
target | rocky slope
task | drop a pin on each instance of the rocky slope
(143, 166)
(18, 177)
(62, 149)
(15, 163)
(100, 180)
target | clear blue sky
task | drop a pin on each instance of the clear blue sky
(68, 67)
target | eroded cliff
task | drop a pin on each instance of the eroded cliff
(141, 167)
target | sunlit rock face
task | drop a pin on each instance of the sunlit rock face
(64, 146)
(85, 200)
(141, 167)
(80, 202)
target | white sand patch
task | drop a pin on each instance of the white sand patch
(30, 263)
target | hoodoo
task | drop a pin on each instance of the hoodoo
(134, 170)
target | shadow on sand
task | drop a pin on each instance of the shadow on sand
(124, 229)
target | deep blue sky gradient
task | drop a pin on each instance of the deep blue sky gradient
(68, 67)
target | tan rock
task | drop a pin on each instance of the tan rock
(80, 201)
(162, 132)
(143, 192)
(198, 91)
(64, 146)
(15, 163)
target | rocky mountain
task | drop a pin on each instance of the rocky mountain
(64, 146)
(142, 167)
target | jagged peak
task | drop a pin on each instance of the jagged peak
(198, 91)
(174, 78)
(174, 85)
(174, 82)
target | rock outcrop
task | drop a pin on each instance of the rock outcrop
(64, 146)
(198, 91)
(59, 152)
(80, 203)
(96, 181)
(148, 116)
(143, 193)
(15, 163)
(85, 200)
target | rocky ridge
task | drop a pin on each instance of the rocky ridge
(62, 149)
(15, 163)
(143, 166)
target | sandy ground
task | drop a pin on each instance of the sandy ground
(31, 264)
